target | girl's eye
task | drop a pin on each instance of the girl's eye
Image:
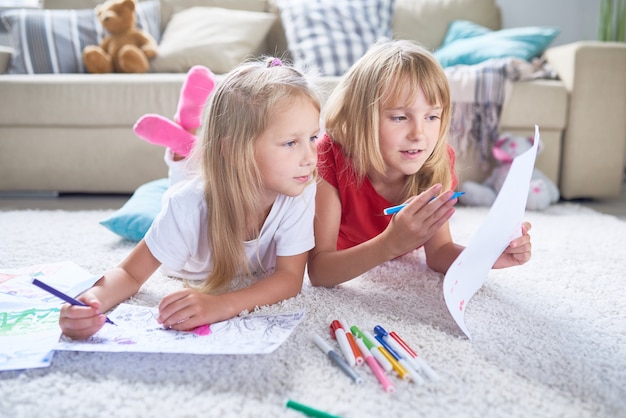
(290, 144)
(433, 117)
(398, 118)
(313, 138)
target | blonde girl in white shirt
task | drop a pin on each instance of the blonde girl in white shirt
(248, 213)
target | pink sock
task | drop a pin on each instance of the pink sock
(193, 96)
(161, 131)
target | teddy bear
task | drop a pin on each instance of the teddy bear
(179, 134)
(126, 49)
(542, 192)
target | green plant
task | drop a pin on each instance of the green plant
(612, 21)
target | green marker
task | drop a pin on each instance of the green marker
(307, 410)
(376, 352)
(357, 333)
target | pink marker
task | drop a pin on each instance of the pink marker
(376, 369)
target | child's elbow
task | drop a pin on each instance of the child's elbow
(316, 283)
(315, 279)
(435, 266)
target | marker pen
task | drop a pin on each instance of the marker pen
(395, 209)
(338, 333)
(307, 410)
(378, 355)
(397, 352)
(62, 296)
(428, 371)
(402, 372)
(336, 358)
(355, 348)
(376, 369)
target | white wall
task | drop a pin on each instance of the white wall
(577, 19)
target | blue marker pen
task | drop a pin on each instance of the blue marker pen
(62, 295)
(395, 209)
(382, 337)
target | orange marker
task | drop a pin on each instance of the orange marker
(358, 356)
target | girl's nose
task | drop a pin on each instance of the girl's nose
(417, 130)
(310, 154)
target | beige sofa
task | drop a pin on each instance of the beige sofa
(73, 132)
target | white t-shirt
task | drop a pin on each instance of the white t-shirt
(178, 235)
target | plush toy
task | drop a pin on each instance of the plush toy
(179, 135)
(125, 49)
(542, 193)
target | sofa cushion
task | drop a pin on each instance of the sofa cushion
(133, 220)
(215, 37)
(468, 43)
(330, 35)
(427, 21)
(169, 7)
(52, 41)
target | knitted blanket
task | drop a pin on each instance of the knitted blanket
(478, 94)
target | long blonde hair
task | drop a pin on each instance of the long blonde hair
(384, 74)
(238, 112)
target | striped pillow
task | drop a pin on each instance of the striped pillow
(52, 41)
(330, 35)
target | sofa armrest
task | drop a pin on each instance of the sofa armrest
(594, 142)
(5, 57)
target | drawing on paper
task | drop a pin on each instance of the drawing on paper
(137, 330)
(29, 316)
(29, 321)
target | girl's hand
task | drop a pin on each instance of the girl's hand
(419, 220)
(518, 252)
(187, 309)
(81, 322)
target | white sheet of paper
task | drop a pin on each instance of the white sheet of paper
(137, 330)
(503, 224)
(29, 316)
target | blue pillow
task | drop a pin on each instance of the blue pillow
(468, 43)
(133, 220)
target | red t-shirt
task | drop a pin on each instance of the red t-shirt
(361, 206)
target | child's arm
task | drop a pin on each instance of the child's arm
(410, 228)
(188, 308)
(441, 251)
(115, 286)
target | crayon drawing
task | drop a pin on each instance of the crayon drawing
(29, 321)
(137, 330)
(27, 337)
(29, 316)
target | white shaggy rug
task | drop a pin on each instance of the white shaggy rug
(548, 338)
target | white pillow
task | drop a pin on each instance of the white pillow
(330, 35)
(214, 37)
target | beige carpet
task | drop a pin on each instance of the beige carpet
(549, 338)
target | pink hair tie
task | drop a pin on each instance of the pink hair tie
(276, 62)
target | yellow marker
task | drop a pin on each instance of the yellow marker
(402, 372)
